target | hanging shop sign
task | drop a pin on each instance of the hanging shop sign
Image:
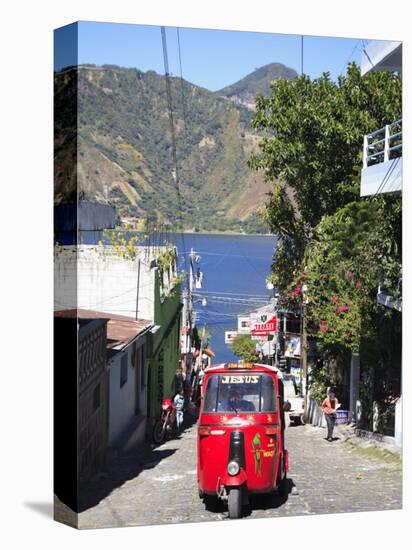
(230, 335)
(292, 346)
(268, 326)
(184, 340)
(243, 324)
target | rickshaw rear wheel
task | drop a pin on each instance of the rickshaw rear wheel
(235, 503)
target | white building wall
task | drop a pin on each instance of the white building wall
(385, 177)
(105, 281)
(121, 399)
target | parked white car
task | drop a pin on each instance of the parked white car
(294, 404)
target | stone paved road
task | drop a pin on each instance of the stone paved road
(159, 485)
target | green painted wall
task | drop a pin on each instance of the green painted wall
(166, 349)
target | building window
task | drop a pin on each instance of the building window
(96, 397)
(123, 371)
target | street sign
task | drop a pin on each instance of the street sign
(230, 335)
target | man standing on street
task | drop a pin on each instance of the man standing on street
(179, 401)
(329, 407)
(179, 381)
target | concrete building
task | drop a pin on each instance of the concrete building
(93, 402)
(117, 390)
(90, 378)
(128, 374)
(128, 342)
(382, 149)
(144, 286)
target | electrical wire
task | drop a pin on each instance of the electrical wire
(173, 136)
(301, 55)
(181, 80)
(355, 47)
(249, 262)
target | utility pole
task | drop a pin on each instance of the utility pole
(188, 311)
(304, 347)
(137, 289)
(304, 356)
(185, 329)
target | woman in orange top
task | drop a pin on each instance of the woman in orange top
(329, 407)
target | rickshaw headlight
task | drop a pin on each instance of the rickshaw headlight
(233, 468)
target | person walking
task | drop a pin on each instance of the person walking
(329, 407)
(179, 402)
(180, 379)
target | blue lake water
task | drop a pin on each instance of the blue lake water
(235, 268)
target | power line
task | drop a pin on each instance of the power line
(356, 47)
(181, 80)
(301, 55)
(173, 135)
(249, 262)
(366, 53)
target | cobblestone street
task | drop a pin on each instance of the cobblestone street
(159, 485)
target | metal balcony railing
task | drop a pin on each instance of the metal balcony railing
(383, 144)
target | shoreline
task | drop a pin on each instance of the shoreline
(233, 233)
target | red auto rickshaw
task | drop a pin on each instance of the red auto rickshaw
(240, 443)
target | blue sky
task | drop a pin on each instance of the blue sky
(210, 58)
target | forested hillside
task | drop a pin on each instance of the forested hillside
(125, 149)
(245, 90)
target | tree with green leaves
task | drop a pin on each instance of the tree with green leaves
(335, 248)
(312, 148)
(244, 347)
(350, 254)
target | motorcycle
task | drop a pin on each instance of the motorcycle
(166, 423)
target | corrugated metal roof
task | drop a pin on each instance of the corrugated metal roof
(121, 330)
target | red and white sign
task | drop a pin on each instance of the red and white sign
(264, 329)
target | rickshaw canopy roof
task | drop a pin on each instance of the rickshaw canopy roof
(225, 367)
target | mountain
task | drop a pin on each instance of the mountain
(245, 90)
(125, 156)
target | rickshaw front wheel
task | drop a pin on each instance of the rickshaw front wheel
(235, 503)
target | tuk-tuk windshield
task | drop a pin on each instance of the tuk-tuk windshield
(240, 393)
